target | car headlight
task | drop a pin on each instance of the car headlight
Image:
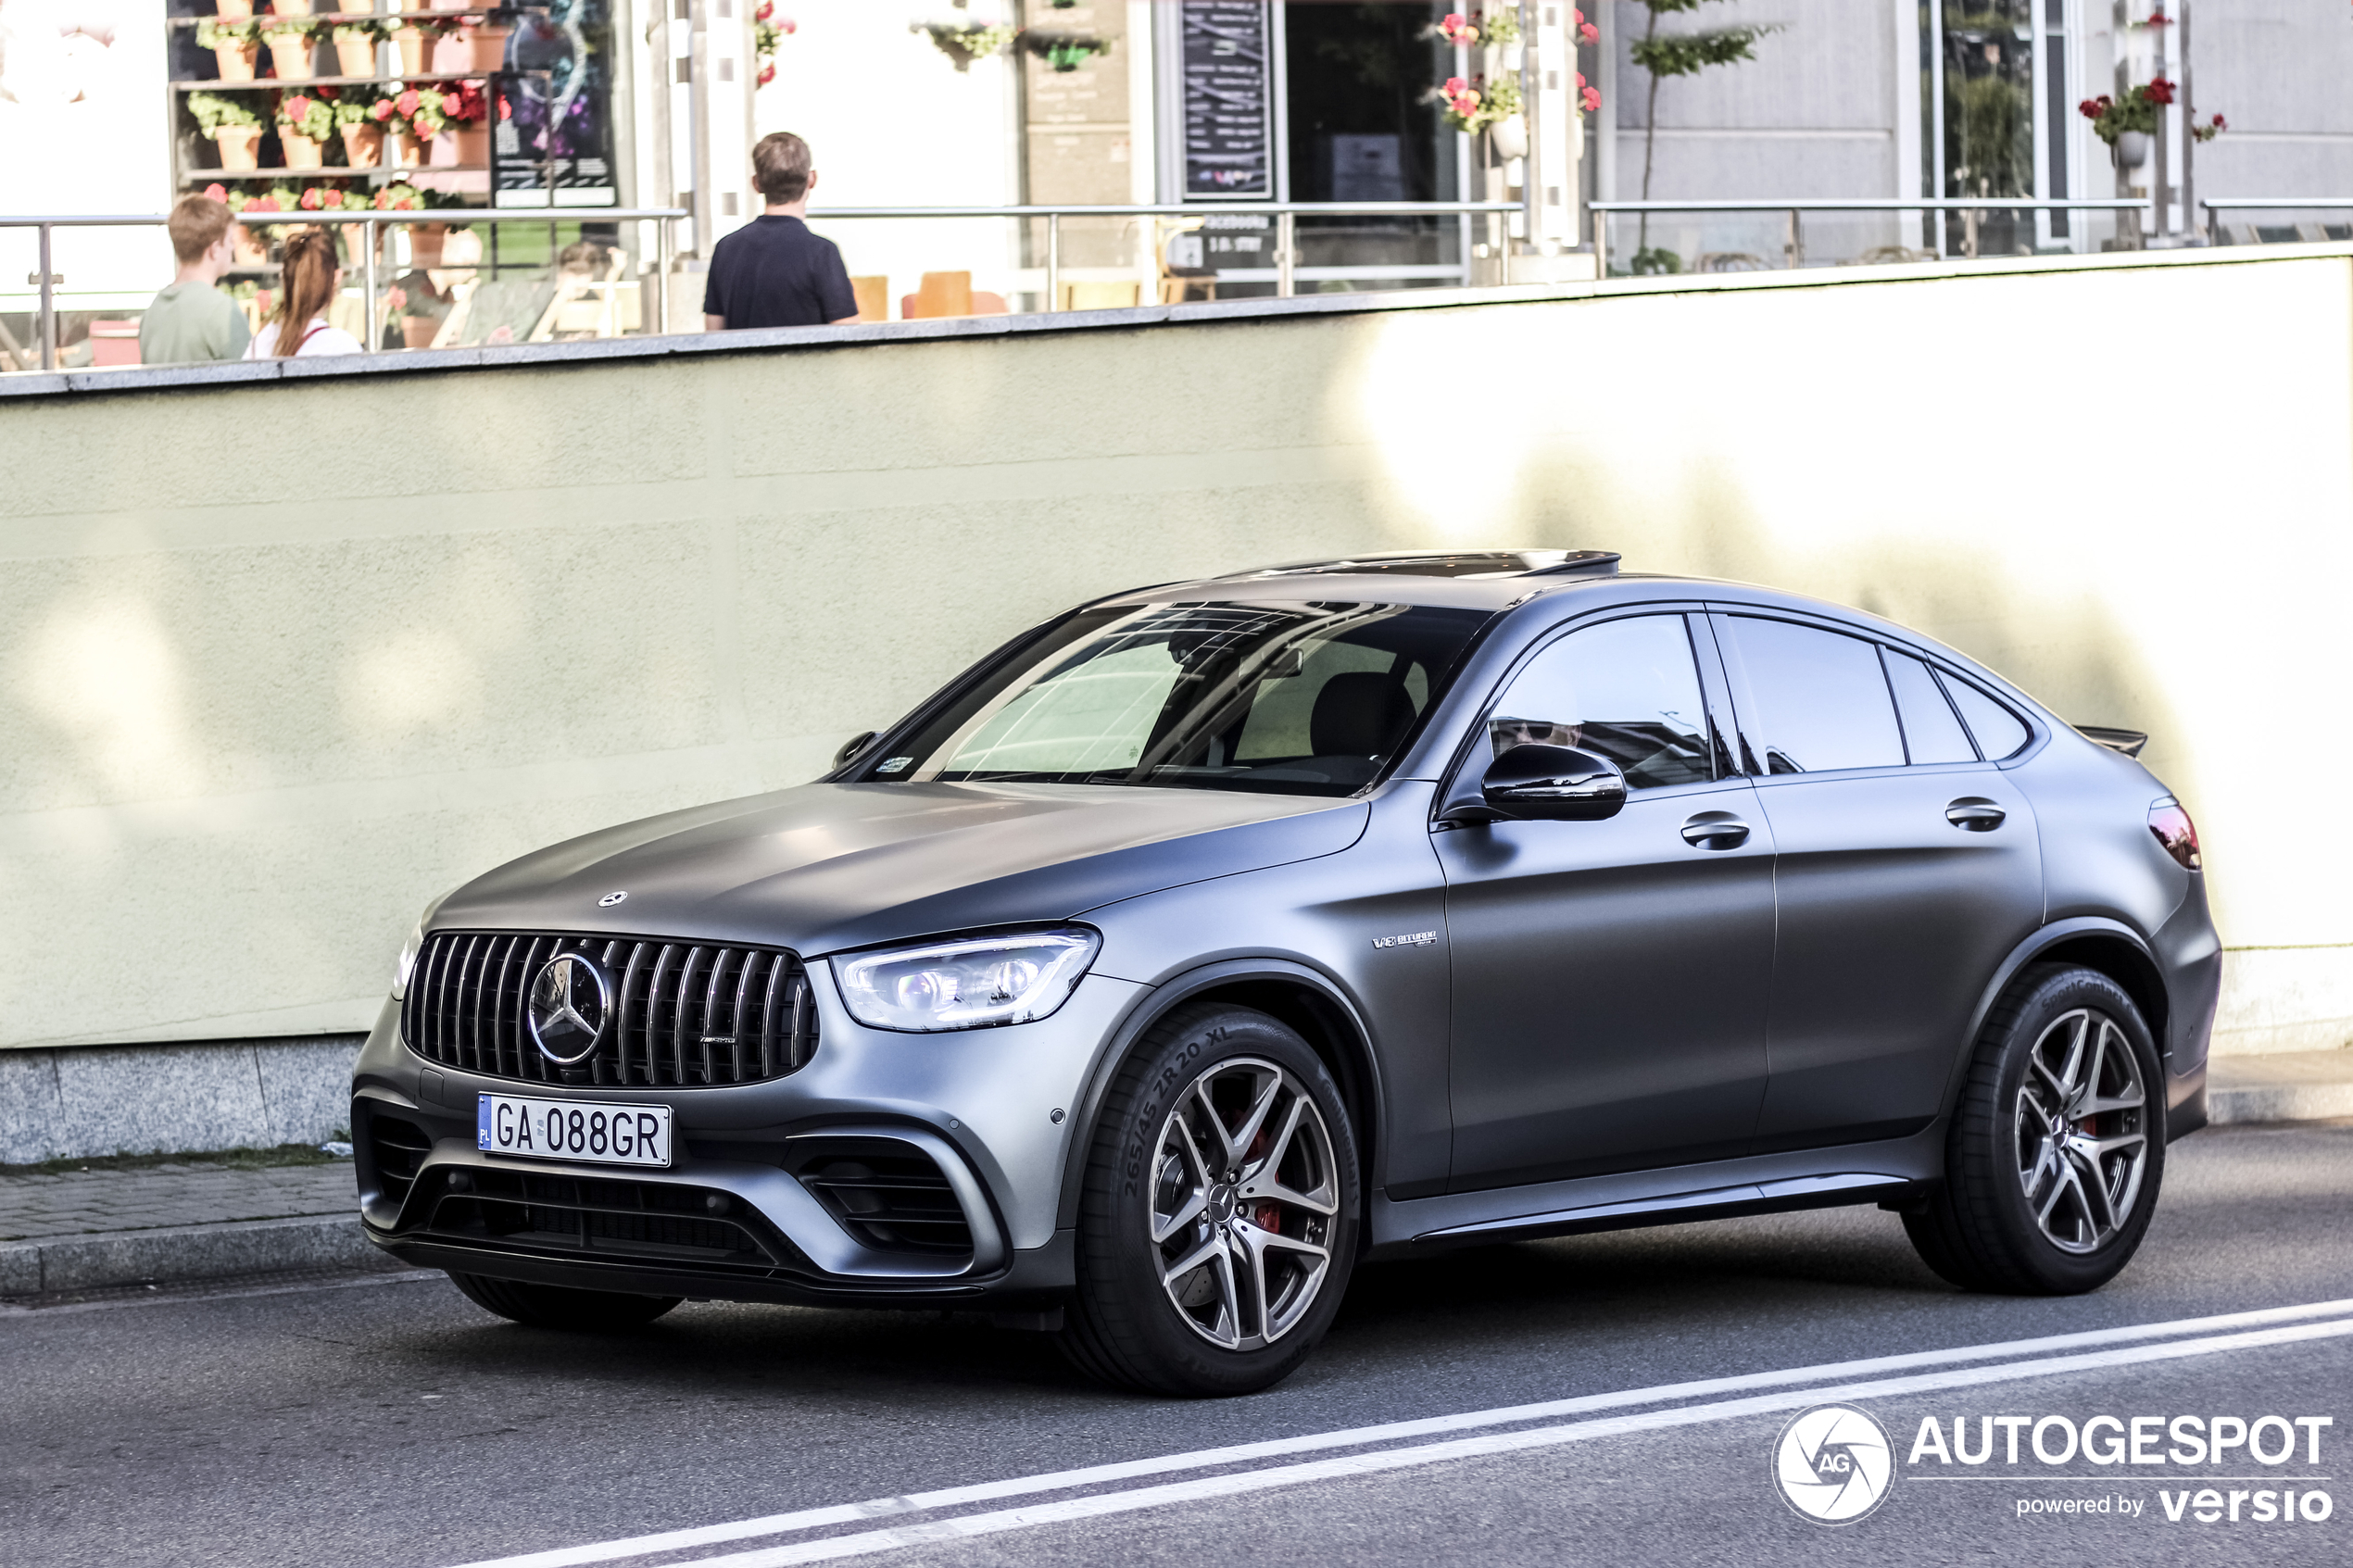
(968, 983)
(407, 964)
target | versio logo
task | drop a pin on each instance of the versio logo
(1832, 1465)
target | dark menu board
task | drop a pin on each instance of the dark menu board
(1229, 100)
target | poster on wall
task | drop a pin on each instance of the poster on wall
(555, 138)
(1229, 108)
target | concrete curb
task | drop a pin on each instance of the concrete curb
(188, 1252)
(2279, 1102)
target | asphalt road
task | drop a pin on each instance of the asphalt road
(392, 1423)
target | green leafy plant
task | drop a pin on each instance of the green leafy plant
(214, 33)
(307, 114)
(1479, 104)
(363, 31)
(221, 111)
(1683, 53)
(1066, 51)
(357, 106)
(966, 41)
(287, 29)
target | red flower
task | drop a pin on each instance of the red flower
(2220, 124)
(1591, 99)
(2160, 91)
(297, 108)
(1455, 86)
(310, 199)
(406, 105)
(767, 75)
(1588, 33)
(220, 193)
(381, 109)
(767, 9)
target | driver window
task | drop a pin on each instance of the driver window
(1626, 689)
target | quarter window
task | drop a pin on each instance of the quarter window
(1817, 701)
(1931, 733)
(1626, 689)
(1999, 732)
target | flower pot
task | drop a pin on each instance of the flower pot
(412, 42)
(1509, 137)
(291, 58)
(363, 145)
(489, 45)
(355, 60)
(291, 8)
(425, 241)
(233, 10)
(406, 151)
(301, 151)
(236, 64)
(248, 251)
(473, 144)
(240, 146)
(2132, 148)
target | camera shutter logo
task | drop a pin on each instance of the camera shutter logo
(570, 1000)
(1834, 1464)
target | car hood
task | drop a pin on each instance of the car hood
(829, 865)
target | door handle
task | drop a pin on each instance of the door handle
(1715, 830)
(1973, 813)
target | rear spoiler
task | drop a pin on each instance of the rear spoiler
(2129, 742)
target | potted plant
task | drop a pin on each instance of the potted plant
(1066, 51)
(1479, 105)
(290, 39)
(363, 128)
(356, 47)
(233, 10)
(965, 41)
(768, 30)
(231, 124)
(487, 37)
(398, 115)
(412, 37)
(466, 108)
(305, 122)
(236, 46)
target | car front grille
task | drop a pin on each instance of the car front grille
(652, 1222)
(683, 1014)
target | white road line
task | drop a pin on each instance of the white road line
(990, 1491)
(1353, 1465)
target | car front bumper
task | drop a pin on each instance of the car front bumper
(971, 1126)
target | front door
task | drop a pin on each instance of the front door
(1909, 869)
(1609, 977)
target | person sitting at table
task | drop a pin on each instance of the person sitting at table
(308, 280)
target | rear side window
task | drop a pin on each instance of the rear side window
(1817, 701)
(1626, 689)
(1999, 732)
(1931, 732)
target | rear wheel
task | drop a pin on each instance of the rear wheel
(1218, 1226)
(2057, 1147)
(556, 1305)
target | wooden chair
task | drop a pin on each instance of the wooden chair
(941, 294)
(1099, 296)
(873, 297)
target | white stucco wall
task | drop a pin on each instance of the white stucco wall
(256, 708)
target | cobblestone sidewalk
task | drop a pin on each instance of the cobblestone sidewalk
(38, 1208)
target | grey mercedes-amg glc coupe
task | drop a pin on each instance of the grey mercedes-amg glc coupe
(1212, 938)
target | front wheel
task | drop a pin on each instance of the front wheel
(2057, 1147)
(1218, 1226)
(556, 1305)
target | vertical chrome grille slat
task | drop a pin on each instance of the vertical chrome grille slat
(702, 1015)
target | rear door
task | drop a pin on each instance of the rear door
(1908, 869)
(1609, 977)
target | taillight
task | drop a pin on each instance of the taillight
(2176, 831)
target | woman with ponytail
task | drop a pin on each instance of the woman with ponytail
(307, 283)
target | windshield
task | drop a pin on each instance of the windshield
(1294, 698)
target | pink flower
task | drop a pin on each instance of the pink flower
(1592, 98)
(1588, 33)
(2220, 124)
(1455, 86)
(298, 107)
(381, 109)
(220, 193)
(405, 104)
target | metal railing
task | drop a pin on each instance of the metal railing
(1286, 274)
(1793, 248)
(460, 217)
(2213, 205)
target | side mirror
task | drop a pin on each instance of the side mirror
(1555, 783)
(852, 746)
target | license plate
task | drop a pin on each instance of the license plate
(570, 1129)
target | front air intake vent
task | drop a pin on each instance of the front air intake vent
(677, 1014)
(894, 1202)
(397, 1149)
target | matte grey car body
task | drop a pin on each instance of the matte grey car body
(1749, 991)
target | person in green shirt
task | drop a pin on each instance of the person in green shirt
(191, 320)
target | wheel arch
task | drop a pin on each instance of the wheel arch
(1294, 995)
(2106, 946)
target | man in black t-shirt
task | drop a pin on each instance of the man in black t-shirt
(772, 271)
